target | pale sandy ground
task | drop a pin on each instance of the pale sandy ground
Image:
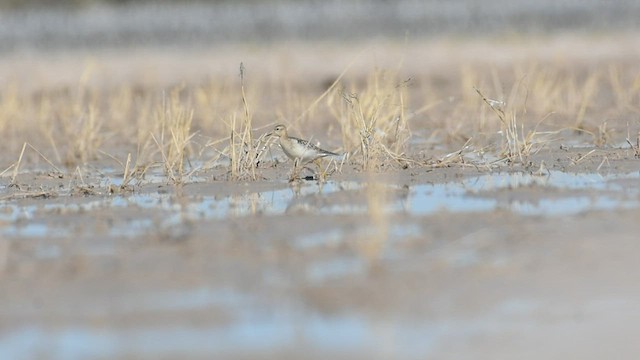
(265, 270)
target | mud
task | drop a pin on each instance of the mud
(476, 258)
(462, 262)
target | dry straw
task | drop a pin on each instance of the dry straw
(244, 153)
(142, 131)
(373, 122)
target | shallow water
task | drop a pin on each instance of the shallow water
(259, 324)
(601, 192)
(256, 329)
(557, 193)
(268, 333)
(257, 333)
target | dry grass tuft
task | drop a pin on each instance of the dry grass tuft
(517, 144)
(373, 122)
(174, 136)
(635, 146)
(85, 137)
(244, 153)
(16, 165)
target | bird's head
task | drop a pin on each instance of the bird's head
(280, 131)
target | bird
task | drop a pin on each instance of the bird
(299, 150)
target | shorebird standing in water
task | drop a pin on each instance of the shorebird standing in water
(300, 151)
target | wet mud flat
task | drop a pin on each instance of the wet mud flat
(443, 262)
(454, 253)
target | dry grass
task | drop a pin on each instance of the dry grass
(244, 152)
(373, 122)
(517, 145)
(522, 108)
(173, 136)
(16, 165)
(635, 145)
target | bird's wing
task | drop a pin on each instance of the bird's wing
(313, 147)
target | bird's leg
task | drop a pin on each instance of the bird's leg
(320, 175)
(295, 172)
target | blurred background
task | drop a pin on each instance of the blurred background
(137, 275)
(41, 24)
